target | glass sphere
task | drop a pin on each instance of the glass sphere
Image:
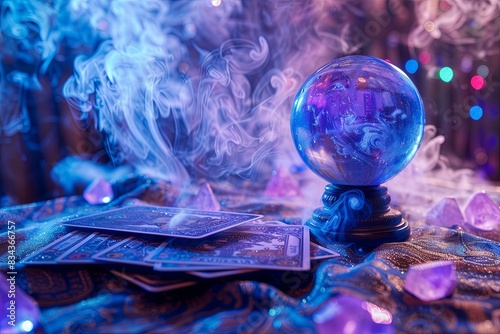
(357, 121)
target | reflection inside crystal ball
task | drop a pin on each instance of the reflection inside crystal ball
(357, 121)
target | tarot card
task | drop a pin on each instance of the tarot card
(250, 246)
(185, 267)
(132, 250)
(220, 273)
(162, 286)
(49, 253)
(164, 221)
(85, 249)
(319, 252)
(149, 279)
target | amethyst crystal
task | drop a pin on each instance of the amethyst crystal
(431, 281)
(482, 212)
(445, 213)
(282, 184)
(98, 192)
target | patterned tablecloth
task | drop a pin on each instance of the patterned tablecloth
(85, 299)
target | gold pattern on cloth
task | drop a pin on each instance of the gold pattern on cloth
(54, 287)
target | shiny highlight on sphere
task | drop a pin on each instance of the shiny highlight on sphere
(357, 121)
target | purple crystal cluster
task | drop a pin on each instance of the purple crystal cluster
(480, 212)
(431, 281)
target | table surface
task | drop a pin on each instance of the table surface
(91, 299)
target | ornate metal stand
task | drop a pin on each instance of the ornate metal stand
(359, 215)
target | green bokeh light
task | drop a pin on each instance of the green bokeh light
(446, 74)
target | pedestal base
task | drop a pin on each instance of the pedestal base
(359, 215)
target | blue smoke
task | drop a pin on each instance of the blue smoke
(182, 89)
(347, 211)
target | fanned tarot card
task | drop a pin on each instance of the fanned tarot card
(249, 246)
(132, 250)
(85, 249)
(49, 253)
(164, 221)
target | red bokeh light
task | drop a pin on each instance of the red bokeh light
(477, 82)
(424, 57)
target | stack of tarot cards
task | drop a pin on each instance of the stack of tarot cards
(180, 246)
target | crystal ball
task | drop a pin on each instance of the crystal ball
(357, 121)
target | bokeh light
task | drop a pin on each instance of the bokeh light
(477, 82)
(27, 326)
(480, 156)
(483, 71)
(446, 74)
(444, 5)
(429, 26)
(466, 63)
(216, 3)
(411, 66)
(476, 112)
(424, 57)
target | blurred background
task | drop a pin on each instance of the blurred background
(202, 89)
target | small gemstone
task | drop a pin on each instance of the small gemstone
(282, 184)
(482, 212)
(431, 281)
(98, 192)
(445, 213)
(348, 314)
(204, 199)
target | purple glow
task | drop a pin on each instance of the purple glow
(19, 310)
(348, 315)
